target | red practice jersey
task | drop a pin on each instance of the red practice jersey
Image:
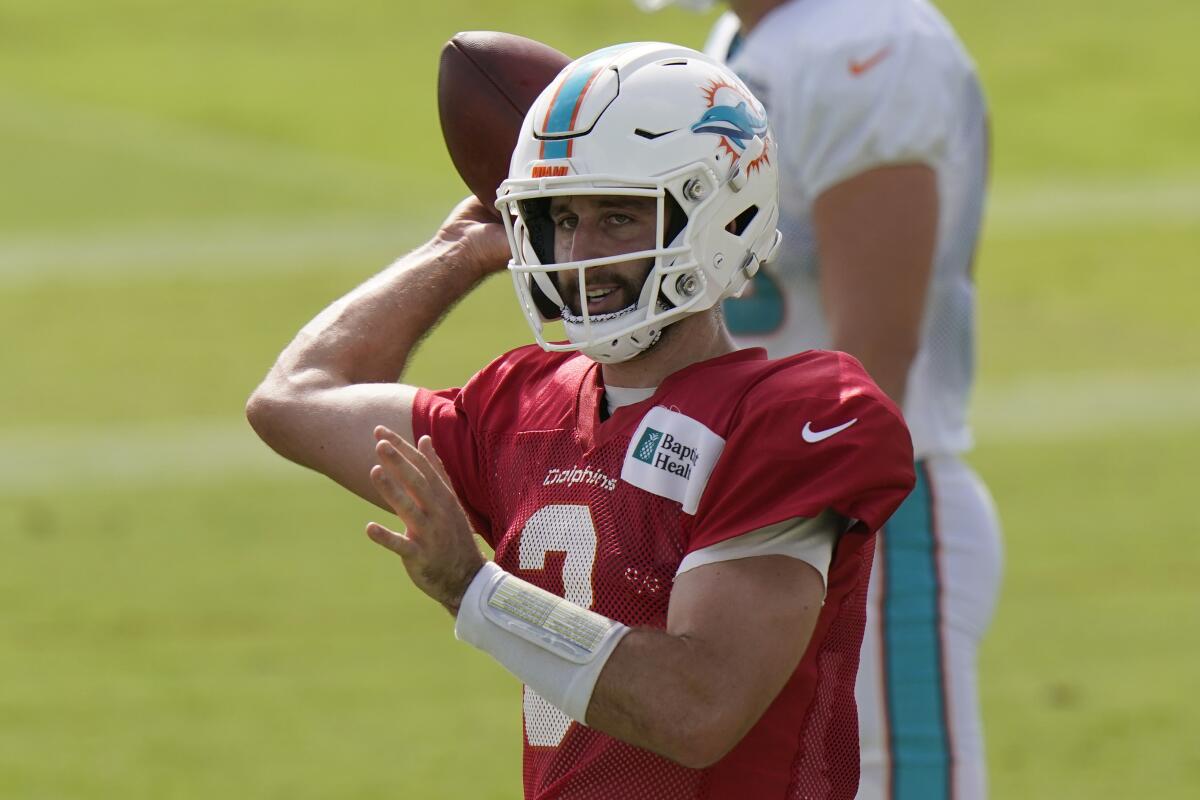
(603, 512)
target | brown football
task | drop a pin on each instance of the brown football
(486, 83)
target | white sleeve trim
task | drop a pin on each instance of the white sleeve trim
(809, 540)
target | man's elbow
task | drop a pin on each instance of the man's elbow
(701, 755)
(702, 741)
(268, 410)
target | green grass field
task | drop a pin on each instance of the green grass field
(182, 615)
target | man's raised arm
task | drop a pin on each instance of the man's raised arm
(338, 378)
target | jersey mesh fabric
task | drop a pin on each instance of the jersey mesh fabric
(627, 565)
(547, 488)
(638, 547)
(831, 728)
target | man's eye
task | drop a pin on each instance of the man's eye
(566, 223)
(619, 219)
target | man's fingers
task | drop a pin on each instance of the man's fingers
(423, 457)
(418, 459)
(384, 433)
(398, 543)
(403, 465)
(425, 447)
(399, 498)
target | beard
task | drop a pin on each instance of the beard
(611, 292)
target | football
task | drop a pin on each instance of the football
(486, 83)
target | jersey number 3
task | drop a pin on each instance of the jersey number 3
(557, 529)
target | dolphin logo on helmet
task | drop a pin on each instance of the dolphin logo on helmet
(736, 123)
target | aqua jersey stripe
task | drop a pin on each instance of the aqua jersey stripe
(915, 689)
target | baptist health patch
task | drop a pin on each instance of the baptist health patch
(672, 455)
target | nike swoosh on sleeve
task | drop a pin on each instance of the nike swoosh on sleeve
(812, 437)
(859, 67)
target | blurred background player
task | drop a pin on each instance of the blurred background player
(706, 562)
(883, 146)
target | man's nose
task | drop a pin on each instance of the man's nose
(586, 241)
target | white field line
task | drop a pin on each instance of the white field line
(229, 249)
(193, 247)
(1056, 408)
(1068, 204)
(1055, 202)
(1040, 410)
(106, 130)
(197, 451)
(225, 252)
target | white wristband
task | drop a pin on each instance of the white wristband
(554, 646)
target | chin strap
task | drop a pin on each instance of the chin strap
(613, 349)
(577, 319)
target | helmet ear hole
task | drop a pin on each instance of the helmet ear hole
(677, 220)
(545, 306)
(742, 221)
(536, 214)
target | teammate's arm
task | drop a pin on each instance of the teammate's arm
(337, 379)
(876, 232)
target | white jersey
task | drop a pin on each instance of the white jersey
(850, 85)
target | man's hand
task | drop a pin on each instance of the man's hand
(438, 545)
(480, 233)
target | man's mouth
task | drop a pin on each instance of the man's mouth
(606, 291)
(602, 297)
(603, 303)
(604, 300)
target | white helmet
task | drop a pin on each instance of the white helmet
(647, 120)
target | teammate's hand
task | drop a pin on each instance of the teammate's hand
(438, 546)
(479, 230)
